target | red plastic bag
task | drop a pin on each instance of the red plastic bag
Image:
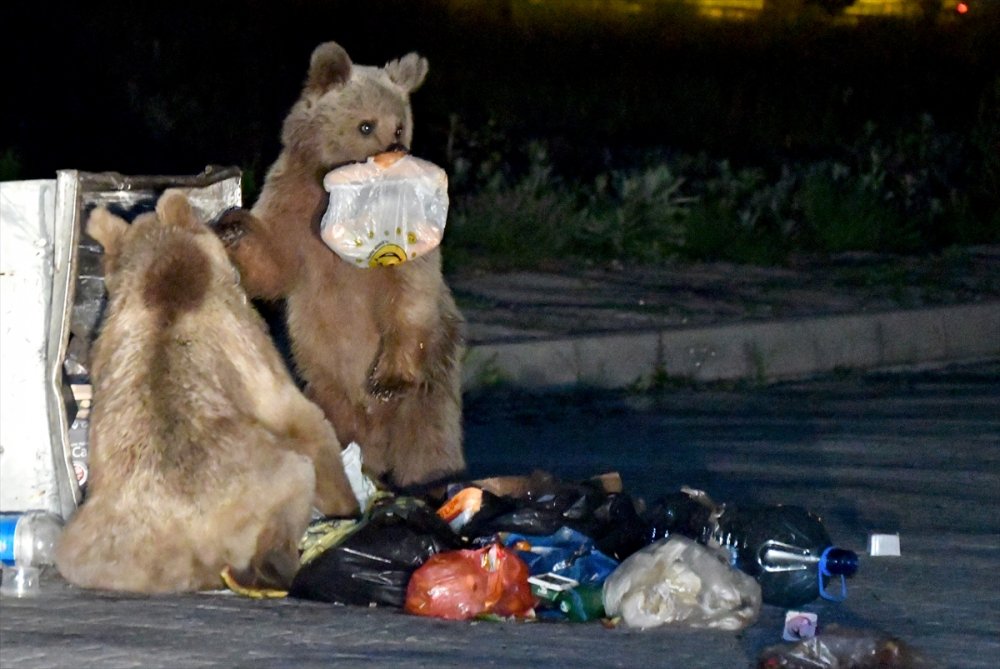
(463, 584)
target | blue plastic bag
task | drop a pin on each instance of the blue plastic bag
(566, 552)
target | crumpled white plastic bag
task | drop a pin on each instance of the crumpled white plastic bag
(386, 210)
(677, 580)
(361, 485)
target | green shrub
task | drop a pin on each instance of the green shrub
(740, 216)
(520, 223)
(982, 222)
(847, 215)
(914, 189)
(635, 215)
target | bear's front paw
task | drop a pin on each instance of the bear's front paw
(232, 225)
(386, 381)
(386, 387)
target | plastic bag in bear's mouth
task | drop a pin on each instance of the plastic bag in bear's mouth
(386, 210)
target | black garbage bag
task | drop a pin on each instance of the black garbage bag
(371, 562)
(610, 519)
(678, 513)
(619, 529)
(785, 547)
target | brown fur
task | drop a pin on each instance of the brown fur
(378, 348)
(203, 451)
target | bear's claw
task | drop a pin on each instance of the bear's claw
(232, 225)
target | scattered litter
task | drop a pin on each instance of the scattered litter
(799, 625)
(567, 573)
(677, 580)
(465, 584)
(566, 553)
(361, 485)
(786, 548)
(460, 509)
(371, 561)
(883, 545)
(837, 647)
(253, 592)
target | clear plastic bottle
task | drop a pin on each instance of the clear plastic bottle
(28, 539)
(788, 551)
(786, 548)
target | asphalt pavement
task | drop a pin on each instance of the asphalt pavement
(913, 452)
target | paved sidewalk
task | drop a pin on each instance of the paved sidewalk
(710, 322)
(917, 454)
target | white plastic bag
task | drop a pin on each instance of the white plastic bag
(385, 211)
(677, 580)
(361, 485)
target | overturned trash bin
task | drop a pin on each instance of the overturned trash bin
(52, 297)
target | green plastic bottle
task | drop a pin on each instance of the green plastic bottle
(582, 603)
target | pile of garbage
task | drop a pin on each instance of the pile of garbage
(535, 547)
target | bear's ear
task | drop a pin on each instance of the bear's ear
(407, 72)
(107, 229)
(173, 208)
(329, 67)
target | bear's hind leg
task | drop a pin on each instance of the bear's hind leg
(426, 438)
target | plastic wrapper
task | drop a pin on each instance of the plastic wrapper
(465, 584)
(458, 510)
(677, 580)
(362, 486)
(386, 210)
(567, 573)
(371, 561)
(842, 648)
(567, 553)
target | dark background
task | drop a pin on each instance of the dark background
(167, 88)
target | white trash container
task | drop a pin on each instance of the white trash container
(51, 299)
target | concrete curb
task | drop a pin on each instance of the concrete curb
(760, 351)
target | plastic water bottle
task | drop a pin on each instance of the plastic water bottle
(29, 539)
(788, 551)
(785, 548)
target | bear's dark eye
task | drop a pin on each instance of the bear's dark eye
(399, 131)
(366, 127)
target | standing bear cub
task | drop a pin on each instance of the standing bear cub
(378, 348)
(205, 456)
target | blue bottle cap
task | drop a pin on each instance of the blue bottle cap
(840, 562)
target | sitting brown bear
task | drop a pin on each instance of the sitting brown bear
(205, 455)
(379, 348)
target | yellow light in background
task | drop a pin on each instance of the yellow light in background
(883, 8)
(728, 9)
(716, 9)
